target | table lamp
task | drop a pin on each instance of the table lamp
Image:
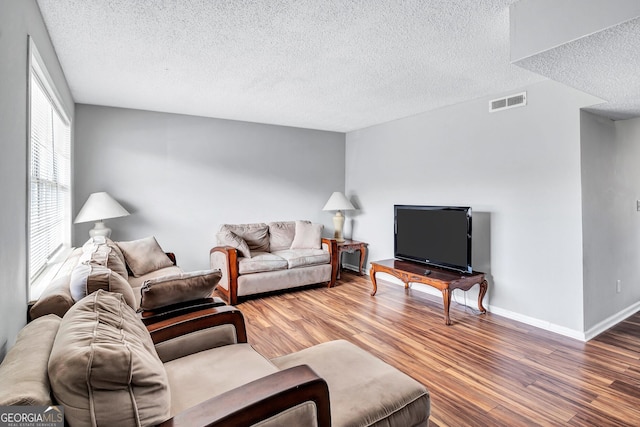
(98, 207)
(338, 202)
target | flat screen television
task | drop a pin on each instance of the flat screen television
(434, 235)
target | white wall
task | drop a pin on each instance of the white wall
(181, 176)
(610, 189)
(18, 19)
(520, 171)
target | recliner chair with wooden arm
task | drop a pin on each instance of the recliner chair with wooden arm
(195, 367)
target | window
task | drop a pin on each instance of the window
(49, 169)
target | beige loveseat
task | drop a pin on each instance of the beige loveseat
(107, 368)
(102, 263)
(259, 258)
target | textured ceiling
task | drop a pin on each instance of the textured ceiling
(324, 64)
(605, 64)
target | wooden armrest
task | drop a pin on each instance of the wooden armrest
(173, 310)
(172, 257)
(186, 323)
(228, 250)
(231, 255)
(332, 246)
(260, 400)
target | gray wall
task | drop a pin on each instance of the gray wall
(520, 171)
(611, 223)
(18, 19)
(181, 176)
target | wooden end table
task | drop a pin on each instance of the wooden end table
(350, 246)
(439, 278)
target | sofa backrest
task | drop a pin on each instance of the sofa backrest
(103, 367)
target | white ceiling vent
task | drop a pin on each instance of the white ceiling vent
(512, 101)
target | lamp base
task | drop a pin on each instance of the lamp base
(99, 229)
(338, 224)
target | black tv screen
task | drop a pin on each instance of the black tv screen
(434, 235)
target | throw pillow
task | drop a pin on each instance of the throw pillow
(281, 235)
(88, 278)
(104, 369)
(144, 256)
(177, 288)
(227, 237)
(256, 235)
(308, 236)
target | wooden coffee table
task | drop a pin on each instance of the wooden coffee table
(439, 278)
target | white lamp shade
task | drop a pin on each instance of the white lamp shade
(100, 206)
(338, 202)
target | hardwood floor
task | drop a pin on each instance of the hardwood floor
(484, 370)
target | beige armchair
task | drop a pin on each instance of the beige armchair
(193, 366)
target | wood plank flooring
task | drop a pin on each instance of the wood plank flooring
(484, 370)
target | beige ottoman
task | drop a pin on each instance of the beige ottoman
(363, 390)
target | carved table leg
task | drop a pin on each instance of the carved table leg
(362, 255)
(483, 290)
(372, 274)
(446, 299)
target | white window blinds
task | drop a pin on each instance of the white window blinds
(49, 170)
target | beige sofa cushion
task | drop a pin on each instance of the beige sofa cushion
(56, 298)
(178, 288)
(137, 282)
(23, 374)
(261, 261)
(307, 236)
(304, 257)
(116, 248)
(219, 369)
(104, 368)
(105, 255)
(144, 256)
(281, 235)
(363, 390)
(227, 237)
(88, 278)
(256, 235)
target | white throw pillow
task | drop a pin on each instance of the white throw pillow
(308, 236)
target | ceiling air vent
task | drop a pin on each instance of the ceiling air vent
(517, 100)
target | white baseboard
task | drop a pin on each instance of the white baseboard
(355, 268)
(612, 321)
(542, 324)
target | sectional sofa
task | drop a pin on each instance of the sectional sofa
(105, 366)
(101, 263)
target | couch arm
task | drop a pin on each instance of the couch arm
(331, 245)
(225, 258)
(196, 331)
(262, 399)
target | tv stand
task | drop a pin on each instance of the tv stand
(439, 278)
